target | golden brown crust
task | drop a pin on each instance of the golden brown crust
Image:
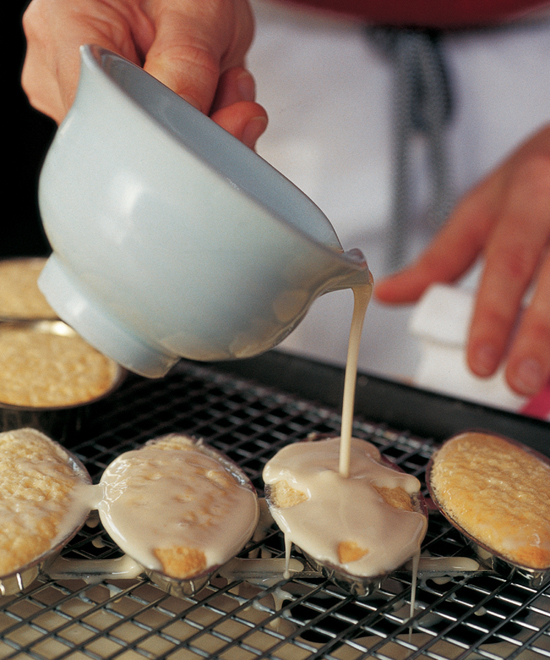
(42, 369)
(282, 495)
(396, 497)
(350, 551)
(36, 485)
(498, 493)
(181, 563)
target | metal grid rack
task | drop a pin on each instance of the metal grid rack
(482, 616)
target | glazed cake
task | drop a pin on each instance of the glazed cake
(42, 497)
(175, 508)
(498, 492)
(365, 525)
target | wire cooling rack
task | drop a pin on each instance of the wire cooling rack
(483, 615)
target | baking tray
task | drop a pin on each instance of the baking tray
(248, 410)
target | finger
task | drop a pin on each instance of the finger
(235, 84)
(453, 251)
(512, 257)
(42, 68)
(245, 120)
(528, 367)
(234, 108)
(42, 88)
(193, 46)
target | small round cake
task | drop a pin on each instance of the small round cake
(176, 507)
(364, 525)
(498, 492)
(43, 498)
(45, 364)
(20, 297)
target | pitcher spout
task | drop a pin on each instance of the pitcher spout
(354, 272)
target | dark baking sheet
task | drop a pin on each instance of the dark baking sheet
(393, 403)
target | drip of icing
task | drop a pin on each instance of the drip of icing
(338, 498)
(443, 569)
(442, 566)
(264, 572)
(414, 581)
(93, 571)
(288, 548)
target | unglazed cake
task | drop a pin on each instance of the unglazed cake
(48, 370)
(498, 492)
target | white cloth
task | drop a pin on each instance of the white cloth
(440, 323)
(327, 91)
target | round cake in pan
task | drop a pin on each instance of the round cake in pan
(20, 297)
(364, 525)
(497, 491)
(177, 507)
(45, 364)
(43, 498)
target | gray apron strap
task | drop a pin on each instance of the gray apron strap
(421, 105)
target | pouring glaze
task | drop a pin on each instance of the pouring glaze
(170, 238)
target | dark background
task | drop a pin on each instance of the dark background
(21, 231)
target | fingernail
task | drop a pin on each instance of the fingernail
(485, 360)
(529, 377)
(253, 130)
(247, 86)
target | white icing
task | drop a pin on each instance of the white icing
(165, 498)
(346, 508)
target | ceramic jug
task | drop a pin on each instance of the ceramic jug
(169, 237)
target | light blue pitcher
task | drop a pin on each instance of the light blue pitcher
(170, 238)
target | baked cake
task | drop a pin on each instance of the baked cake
(174, 507)
(20, 297)
(42, 497)
(365, 525)
(43, 369)
(498, 492)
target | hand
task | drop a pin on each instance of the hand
(195, 47)
(506, 220)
